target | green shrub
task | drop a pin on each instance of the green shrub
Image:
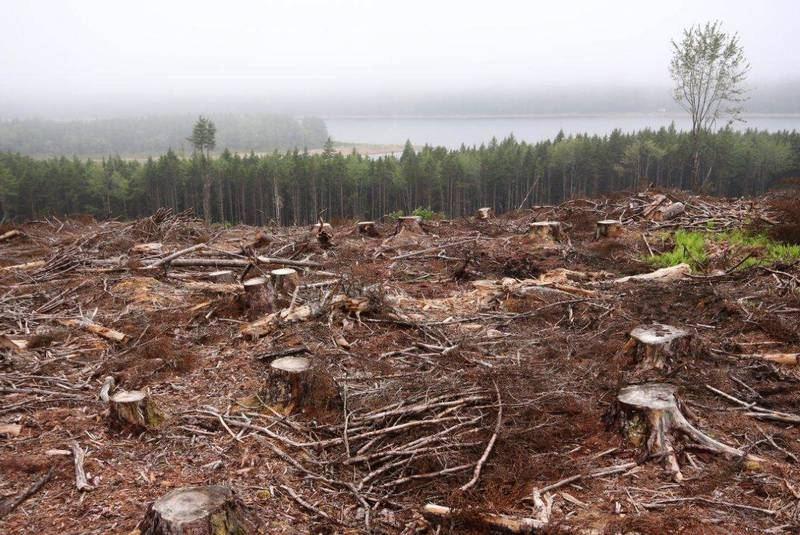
(394, 216)
(426, 213)
(693, 248)
(690, 248)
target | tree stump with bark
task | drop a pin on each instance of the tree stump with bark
(608, 228)
(284, 282)
(484, 213)
(323, 232)
(410, 223)
(225, 276)
(258, 296)
(135, 409)
(650, 416)
(289, 382)
(654, 347)
(545, 231)
(211, 510)
(367, 228)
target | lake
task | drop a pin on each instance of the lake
(452, 132)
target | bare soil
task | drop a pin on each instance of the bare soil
(424, 348)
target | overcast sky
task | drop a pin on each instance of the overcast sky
(61, 50)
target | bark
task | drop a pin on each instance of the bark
(211, 510)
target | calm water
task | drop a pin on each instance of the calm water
(452, 132)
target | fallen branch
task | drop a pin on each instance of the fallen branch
(176, 254)
(78, 456)
(9, 504)
(94, 328)
(479, 465)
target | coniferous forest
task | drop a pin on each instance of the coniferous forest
(292, 187)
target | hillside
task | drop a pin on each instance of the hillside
(490, 367)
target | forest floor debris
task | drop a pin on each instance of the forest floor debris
(459, 375)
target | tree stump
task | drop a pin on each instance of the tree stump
(655, 346)
(545, 231)
(225, 276)
(284, 281)
(258, 296)
(289, 382)
(650, 415)
(410, 223)
(367, 228)
(608, 228)
(323, 232)
(485, 213)
(135, 409)
(211, 510)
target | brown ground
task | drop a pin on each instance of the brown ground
(427, 338)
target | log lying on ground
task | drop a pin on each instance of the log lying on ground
(135, 409)
(485, 213)
(10, 234)
(667, 274)
(258, 296)
(289, 382)
(650, 414)
(238, 262)
(655, 346)
(669, 211)
(367, 228)
(99, 330)
(211, 510)
(607, 228)
(494, 522)
(787, 359)
(153, 248)
(545, 231)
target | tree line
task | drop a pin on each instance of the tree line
(155, 135)
(293, 187)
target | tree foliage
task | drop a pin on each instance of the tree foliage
(709, 70)
(293, 187)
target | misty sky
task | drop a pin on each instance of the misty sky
(57, 51)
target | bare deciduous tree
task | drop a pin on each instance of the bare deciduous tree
(709, 69)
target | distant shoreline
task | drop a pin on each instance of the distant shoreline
(670, 114)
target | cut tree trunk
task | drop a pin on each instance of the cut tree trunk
(258, 296)
(211, 510)
(323, 232)
(284, 282)
(367, 228)
(14, 233)
(670, 211)
(154, 248)
(654, 347)
(224, 276)
(667, 274)
(545, 231)
(608, 228)
(289, 382)
(135, 409)
(485, 213)
(410, 223)
(261, 239)
(650, 416)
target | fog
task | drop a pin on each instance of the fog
(98, 58)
